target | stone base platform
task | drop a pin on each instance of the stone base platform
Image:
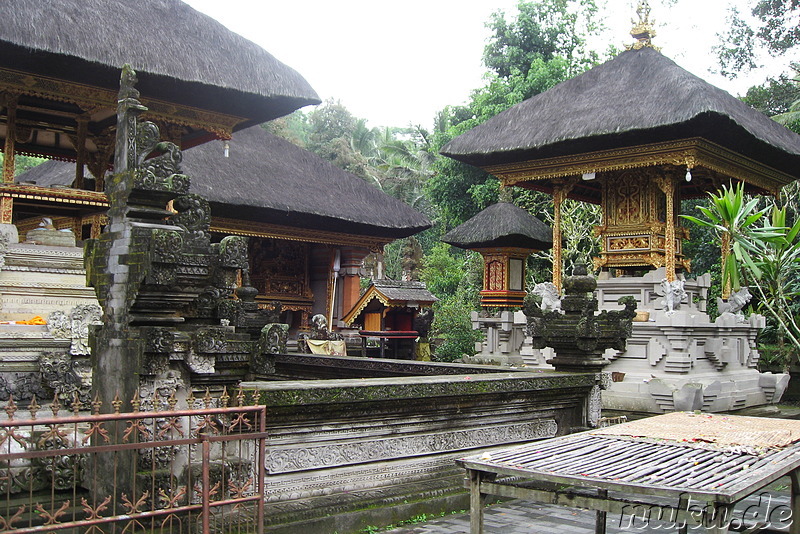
(39, 279)
(681, 360)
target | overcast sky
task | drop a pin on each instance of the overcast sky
(398, 63)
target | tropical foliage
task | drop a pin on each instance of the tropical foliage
(764, 253)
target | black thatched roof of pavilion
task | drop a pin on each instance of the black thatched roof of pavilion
(270, 180)
(639, 97)
(501, 225)
(179, 54)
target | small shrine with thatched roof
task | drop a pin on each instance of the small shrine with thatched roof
(636, 135)
(504, 235)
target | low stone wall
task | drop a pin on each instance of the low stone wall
(314, 366)
(344, 454)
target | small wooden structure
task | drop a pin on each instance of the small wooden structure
(505, 235)
(387, 311)
(704, 464)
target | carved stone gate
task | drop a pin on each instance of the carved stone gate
(197, 470)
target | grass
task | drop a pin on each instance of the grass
(421, 518)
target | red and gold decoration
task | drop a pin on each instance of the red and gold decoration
(503, 276)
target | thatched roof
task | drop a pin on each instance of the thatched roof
(270, 180)
(501, 225)
(637, 98)
(392, 293)
(179, 54)
(406, 291)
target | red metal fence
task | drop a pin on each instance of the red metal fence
(170, 470)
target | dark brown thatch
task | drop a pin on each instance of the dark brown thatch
(180, 54)
(637, 98)
(501, 225)
(270, 180)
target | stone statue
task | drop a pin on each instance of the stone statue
(423, 322)
(736, 302)
(674, 294)
(548, 292)
(319, 327)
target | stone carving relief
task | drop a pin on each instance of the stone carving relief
(75, 326)
(23, 386)
(67, 377)
(4, 241)
(273, 338)
(335, 454)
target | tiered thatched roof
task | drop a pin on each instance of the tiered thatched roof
(501, 225)
(639, 97)
(270, 180)
(180, 54)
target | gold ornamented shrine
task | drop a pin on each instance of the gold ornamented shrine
(503, 276)
(636, 224)
(504, 235)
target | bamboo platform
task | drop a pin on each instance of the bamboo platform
(703, 473)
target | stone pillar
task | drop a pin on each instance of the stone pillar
(350, 272)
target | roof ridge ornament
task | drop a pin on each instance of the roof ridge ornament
(644, 30)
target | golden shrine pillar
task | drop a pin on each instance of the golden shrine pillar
(640, 227)
(503, 276)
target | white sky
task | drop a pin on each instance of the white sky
(398, 63)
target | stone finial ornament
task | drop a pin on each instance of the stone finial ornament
(579, 335)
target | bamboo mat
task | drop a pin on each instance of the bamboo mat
(722, 431)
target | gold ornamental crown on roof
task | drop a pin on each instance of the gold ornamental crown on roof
(644, 30)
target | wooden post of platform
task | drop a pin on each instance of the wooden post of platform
(794, 476)
(477, 502)
(601, 516)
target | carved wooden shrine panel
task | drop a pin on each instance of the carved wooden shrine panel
(279, 270)
(634, 220)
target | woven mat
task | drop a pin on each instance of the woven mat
(721, 430)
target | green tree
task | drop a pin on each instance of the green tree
(332, 131)
(452, 278)
(774, 29)
(773, 97)
(791, 116)
(543, 45)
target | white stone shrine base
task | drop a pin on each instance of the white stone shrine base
(680, 360)
(683, 361)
